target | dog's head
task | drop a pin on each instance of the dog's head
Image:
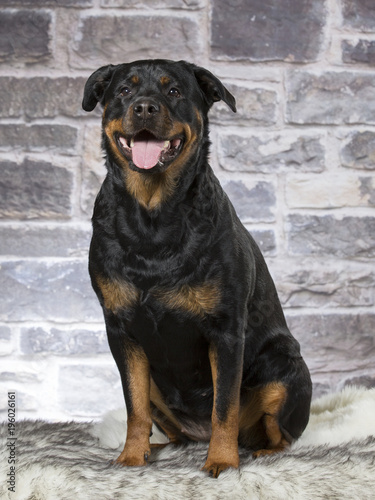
(155, 111)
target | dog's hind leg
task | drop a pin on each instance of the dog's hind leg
(259, 420)
(274, 415)
(164, 419)
(273, 397)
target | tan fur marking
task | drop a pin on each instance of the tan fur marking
(110, 130)
(251, 412)
(270, 451)
(135, 79)
(223, 448)
(164, 80)
(112, 127)
(273, 397)
(265, 400)
(197, 299)
(139, 381)
(137, 445)
(192, 139)
(157, 398)
(151, 192)
(117, 294)
(259, 417)
(273, 431)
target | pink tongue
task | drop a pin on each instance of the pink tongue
(146, 153)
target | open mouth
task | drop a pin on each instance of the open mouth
(146, 151)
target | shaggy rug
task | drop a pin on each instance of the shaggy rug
(334, 459)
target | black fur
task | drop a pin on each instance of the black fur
(190, 238)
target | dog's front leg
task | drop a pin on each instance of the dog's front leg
(135, 376)
(226, 366)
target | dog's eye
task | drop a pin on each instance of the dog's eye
(174, 92)
(125, 92)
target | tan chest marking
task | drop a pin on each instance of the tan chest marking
(149, 191)
(118, 294)
(196, 299)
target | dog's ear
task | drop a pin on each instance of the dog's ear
(96, 86)
(213, 89)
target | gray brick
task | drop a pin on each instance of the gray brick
(21, 376)
(367, 190)
(5, 333)
(6, 344)
(361, 52)
(24, 35)
(39, 240)
(252, 204)
(89, 190)
(154, 4)
(350, 190)
(47, 3)
(331, 98)
(270, 152)
(100, 39)
(24, 401)
(254, 107)
(38, 138)
(64, 343)
(321, 285)
(327, 235)
(34, 189)
(359, 151)
(47, 291)
(359, 14)
(41, 97)
(340, 343)
(90, 391)
(267, 31)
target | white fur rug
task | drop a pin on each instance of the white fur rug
(334, 459)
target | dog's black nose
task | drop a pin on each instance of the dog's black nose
(145, 108)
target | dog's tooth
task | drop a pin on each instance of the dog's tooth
(123, 141)
(166, 145)
(132, 143)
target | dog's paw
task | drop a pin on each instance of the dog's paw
(129, 458)
(215, 468)
(282, 445)
(262, 453)
(267, 452)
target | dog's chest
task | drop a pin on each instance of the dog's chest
(177, 350)
(173, 341)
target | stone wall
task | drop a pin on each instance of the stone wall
(298, 161)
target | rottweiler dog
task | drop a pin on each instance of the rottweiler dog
(192, 315)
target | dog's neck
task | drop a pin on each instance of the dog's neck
(150, 191)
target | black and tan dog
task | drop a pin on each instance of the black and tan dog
(192, 315)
